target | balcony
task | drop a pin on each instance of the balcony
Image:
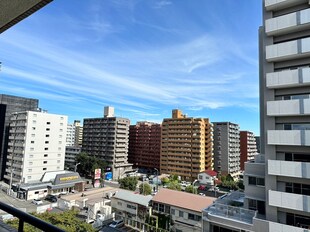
(269, 226)
(288, 78)
(288, 23)
(288, 107)
(288, 50)
(288, 137)
(289, 200)
(281, 4)
(289, 168)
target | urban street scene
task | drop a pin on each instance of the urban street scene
(155, 116)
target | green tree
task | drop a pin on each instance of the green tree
(174, 177)
(191, 189)
(88, 164)
(145, 189)
(129, 183)
(174, 185)
(165, 181)
(67, 221)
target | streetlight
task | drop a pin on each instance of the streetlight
(156, 179)
(75, 167)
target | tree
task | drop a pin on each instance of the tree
(165, 181)
(174, 185)
(88, 164)
(67, 221)
(129, 183)
(145, 189)
(191, 189)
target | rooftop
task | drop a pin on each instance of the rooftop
(210, 172)
(132, 197)
(183, 200)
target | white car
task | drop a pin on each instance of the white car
(37, 202)
(117, 223)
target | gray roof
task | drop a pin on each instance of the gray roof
(133, 197)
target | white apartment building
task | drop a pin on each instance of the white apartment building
(36, 145)
(70, 139)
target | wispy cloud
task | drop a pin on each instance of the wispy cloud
(162, 3)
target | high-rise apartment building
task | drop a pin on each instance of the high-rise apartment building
(186, 146)
(70, 138)
(74, 134)
(8, 105)
(285, 122)
(78, 133)
(226, 148)
(36, 145)
(107, 138)
(144, 145)
(70, 157)
(248, 148)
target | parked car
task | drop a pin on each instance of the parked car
(202, 194)
(37, 202)
(117, 223)
(51, 198)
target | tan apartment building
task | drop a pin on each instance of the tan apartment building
(186, 146)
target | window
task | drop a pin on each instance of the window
(303, 189)
(172, 211)
(37, 192)
(59, 142)
(59, 155)
(33, 128)
(34, 115)
(32, 141)
(47, 129)
(60, 130)
(34, 121)
(44, 169)
(29, 177)
(48, 123)
(30, 163)
(33, 135)
(46, 148)
(58, 161)
(46, 142)
(256, 181)
(47, 136)
(161, 208)
(60, 136)
(45, 162)
(257, 205)
(58, 167)
(29, 170)
(181, 213)
(59, 148)
(31, 156)
(119, 203)
(131, 206)
(45, 155)
(194, 217)
(61, 124)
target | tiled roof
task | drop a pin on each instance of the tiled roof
(183, 200)
(211, 172)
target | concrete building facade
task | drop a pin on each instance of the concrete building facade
(36, 145)
(107, 138)
(70, 157)
(226, 148)
(248, 148)
(144, 145)
(8, 105)
(78, 133)
(284, 113)
(186, 146)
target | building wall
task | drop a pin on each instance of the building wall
(186, 146)
(248, 148)
(8, 105)
(70, 157)
(36, 145)
(107, 138)
(70, 139)
(284, 115)
(144, 145)
(226, 148)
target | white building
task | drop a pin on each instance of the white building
(70, 139)
(207, 177)
(36, 145)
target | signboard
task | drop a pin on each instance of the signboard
(97, 183)
(97, 174)
(68, 178)
(108, 176)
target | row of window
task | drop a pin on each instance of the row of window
(256, 181)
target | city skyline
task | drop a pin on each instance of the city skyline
(145, 58)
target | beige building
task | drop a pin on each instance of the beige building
(186, 145)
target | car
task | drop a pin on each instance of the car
(37, 202)
(117, 223)
(202, 194)
(51, 198)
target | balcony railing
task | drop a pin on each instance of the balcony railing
(25, 217)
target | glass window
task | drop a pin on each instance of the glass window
(181, 213)
(260, 181)
(252, 180)
(172, 211)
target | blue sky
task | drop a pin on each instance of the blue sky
(144, 57)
